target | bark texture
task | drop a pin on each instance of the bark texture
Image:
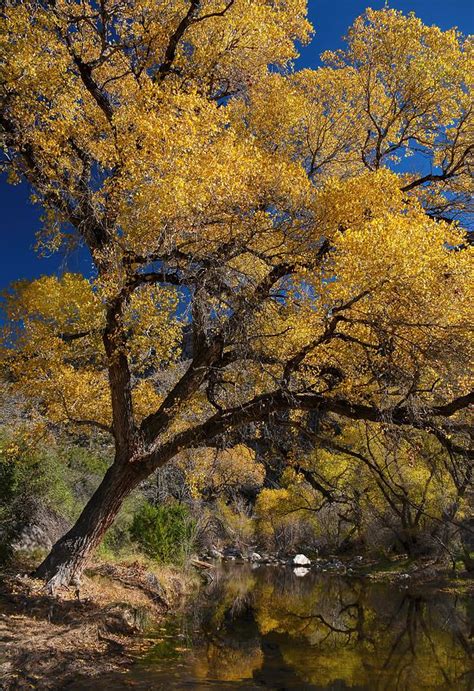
(66, 561)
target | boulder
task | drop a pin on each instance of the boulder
(255, 556)
(44, 528)
(215, 554)
(301, 560)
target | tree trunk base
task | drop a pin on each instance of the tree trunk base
(61, 568)
(67, 560)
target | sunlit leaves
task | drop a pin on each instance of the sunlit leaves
(57, 325)
(177, 138)
(215, 472)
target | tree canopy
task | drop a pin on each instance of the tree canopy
(303, 232)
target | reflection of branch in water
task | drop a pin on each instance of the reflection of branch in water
(407, 630)
(362, 635)
(463, 640)
(351, 611)
(414, 625)
(311, 617)
(433, 648)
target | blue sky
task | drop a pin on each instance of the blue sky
(19, 219)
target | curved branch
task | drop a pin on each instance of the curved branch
(455, 405)
(261, 407)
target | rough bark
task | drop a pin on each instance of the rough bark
(66, 561)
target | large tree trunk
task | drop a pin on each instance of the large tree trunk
(68, 557)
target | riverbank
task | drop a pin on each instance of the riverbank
(50, 642)
(75, 637)
(396, 569)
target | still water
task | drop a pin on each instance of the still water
(267, 628)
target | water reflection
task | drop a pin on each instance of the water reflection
(267, 628)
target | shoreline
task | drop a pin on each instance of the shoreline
(399, 569)
(50, 642)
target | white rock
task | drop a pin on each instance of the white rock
(300, 571)
(301, 560)
(255, 556)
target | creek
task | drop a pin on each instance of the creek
(265, 627)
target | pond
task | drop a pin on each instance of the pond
(265, 627)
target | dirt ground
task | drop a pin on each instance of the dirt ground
(50, 642)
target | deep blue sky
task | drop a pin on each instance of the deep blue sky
(19, 219)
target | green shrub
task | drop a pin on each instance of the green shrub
(165, 533)
(13, 511)
(31, 474)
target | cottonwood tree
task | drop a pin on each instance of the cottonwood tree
(350, 480)
(265, 209)
(212, 472)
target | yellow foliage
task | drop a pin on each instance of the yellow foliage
(57, 325)
(195, 162)
(285, 508)
(217, 471)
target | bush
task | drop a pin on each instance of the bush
(12, 510)
(237, 521)
(285, 521)
(30, 476)
(165, 533)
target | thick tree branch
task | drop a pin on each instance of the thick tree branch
(172, 47)
(206, 357)
(188, 20)
(70, 337)
(85, 71)
(261, 407)
(454, 406)
(156, 423)
(114, 340)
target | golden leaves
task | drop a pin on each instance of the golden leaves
(187, 149)
(220, 471)
(52, 345)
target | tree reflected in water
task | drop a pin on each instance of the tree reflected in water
(265, 627)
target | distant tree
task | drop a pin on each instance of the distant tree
(215, 186)
(212, 472)
(366, 484)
